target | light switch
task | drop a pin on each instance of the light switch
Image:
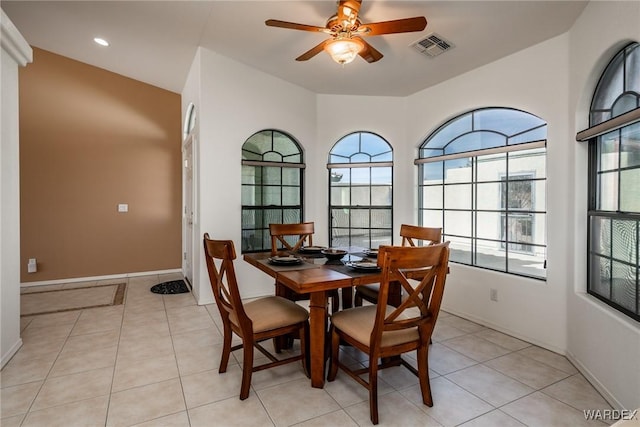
(123, 207)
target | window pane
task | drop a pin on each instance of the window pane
(601, 236)
(432, 172)
(360, 218)
(630, 150)
(291, 216)
(456, 222)
(630, 190)
(361, 176)
(381, 218)
(381, 175)
(457, 196)
(458, 170)
(460, 249)
(290, 196)
(290, 176)
(340, 196)
(284, 145)
(374, 145)
(608, 151)
(360, 196)
(528, 163)
(538, 134)
(608, 191)
(381, 196)
(624, 240)
(272, 216)
(529, 261)
(249, 174)
(488, 196)
(448, 132)
(516, 195)
(491, 168)
(490, 255)
(343, 149)
(272, 196)
(340, 176)
(504, 120)
(252, 240)
(623, 285)
(600, 276)
(272, 176)
(624, 104)
(633, 69)
(489, 225)
(340, 218)
(360, 237)
(251, 195)
(432, 218)
(475, 141)
(610, 86)
(432, 196)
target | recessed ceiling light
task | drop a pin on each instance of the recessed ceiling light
(100, 41)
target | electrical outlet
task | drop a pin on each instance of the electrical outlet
(493, 294)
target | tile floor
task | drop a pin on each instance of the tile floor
(153, 362)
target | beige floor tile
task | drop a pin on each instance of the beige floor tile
(145, 318)
(444, 360)
(577, 392)
(538, 409)
(131, 373)
(393, 410)
(56, 318)
(248, 412)
(77, 343)
(142, 331)
(452, 405)
(140, 304)
(461, 324)
(495, 418)
(526, 370)
(278, 402)
(72, 388)
(90, 412)
(80, 361)
(22, 371)
(503, 340)
(134, 347)
(201, 359)
(95, 324)
(178, 300)
(444, 332)
(41, 288)
(211, 386)
(476, 348)
(278, 375)
(50, 331)
(186, 341)
(25, 321)
(16, 400)
(41, 348)
(190, 318)
(338, 418)
(490, 385)
(550, 358)
(181, 419)
(15, 421)
(145, 403)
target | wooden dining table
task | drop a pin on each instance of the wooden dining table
(316, 276)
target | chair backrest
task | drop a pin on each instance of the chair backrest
(412, 233)
(219, 255)
(303, 232)
(428, 265)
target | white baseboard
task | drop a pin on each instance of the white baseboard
(608, 396)
(109, 277)
(12, 351)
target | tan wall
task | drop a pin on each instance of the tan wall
(89, 140)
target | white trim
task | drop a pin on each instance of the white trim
(108, 277)
(593, 380)
(13, 43)
(12, 351)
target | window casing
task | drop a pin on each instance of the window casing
(272, 186)
(613, 264)
(482, 178)
(361, 191)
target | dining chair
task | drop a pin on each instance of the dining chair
(385, 332)
(411, 235)
(284, 235)
(254, 321)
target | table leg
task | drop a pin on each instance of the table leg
(317, 331)
(347, 297)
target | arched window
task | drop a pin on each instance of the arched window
(482, 178)
(614, 184)
(272, 181)
(361, 191)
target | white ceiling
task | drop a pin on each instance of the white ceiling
(155, 41)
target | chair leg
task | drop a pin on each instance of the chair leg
(373, 390)
(247, 367)
(423, 375)
(335, 350)
(226, 348)
(304, 349)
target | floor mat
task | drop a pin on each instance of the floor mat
(172, 287)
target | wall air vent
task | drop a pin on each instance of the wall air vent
(432, 45)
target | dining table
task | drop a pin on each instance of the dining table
(316, 276)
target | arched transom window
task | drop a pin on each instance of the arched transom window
(272, 182)
(482, 178)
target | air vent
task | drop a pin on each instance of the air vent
(433, 45)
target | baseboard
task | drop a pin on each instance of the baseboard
(608, 396)
(108, 277)
(12, 351)
(504, 330)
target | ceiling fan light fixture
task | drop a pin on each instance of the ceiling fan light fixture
(343, 51)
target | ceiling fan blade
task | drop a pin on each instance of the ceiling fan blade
(407, 25)
(369, 53)
(294, 26)
(312, 52)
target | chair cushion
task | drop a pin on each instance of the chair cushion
(272, 312)
(358, 323)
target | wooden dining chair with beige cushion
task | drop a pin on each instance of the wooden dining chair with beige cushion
(291, 238)
(384, 332)
(253, 322)
(412, 235)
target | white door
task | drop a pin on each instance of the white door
(187, 211)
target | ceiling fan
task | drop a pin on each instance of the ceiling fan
(346, 31)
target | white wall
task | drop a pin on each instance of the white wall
(235, 102)
(602, 342)
(15, 52)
